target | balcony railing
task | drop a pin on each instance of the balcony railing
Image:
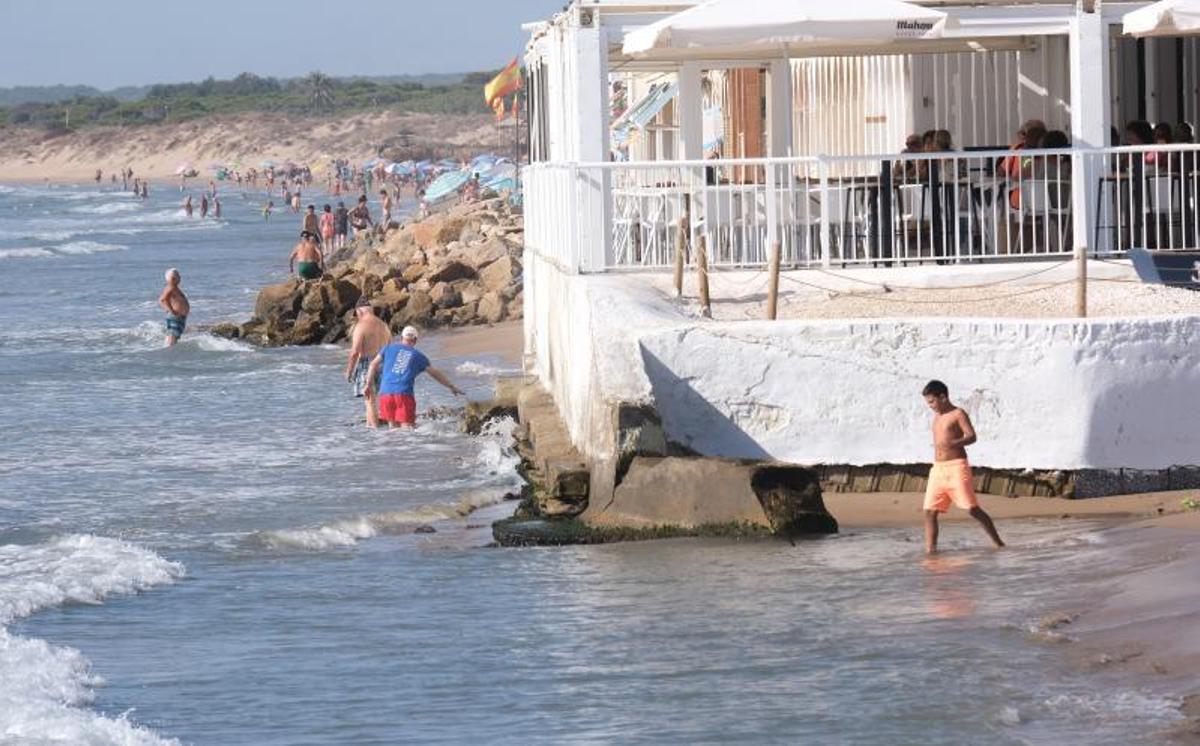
(892, 210)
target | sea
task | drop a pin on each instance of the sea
(204, 545)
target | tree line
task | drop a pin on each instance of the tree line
(315, 93)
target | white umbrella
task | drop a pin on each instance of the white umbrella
(757, 27)
(1165, 18)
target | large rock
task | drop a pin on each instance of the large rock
(487, 252)
(491, 308)
(449, 272)
(418, 310)
(499, 274)
(282, 300)
(445, 295)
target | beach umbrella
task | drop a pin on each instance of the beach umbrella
(759, 28)
(1164, 18)
(267, 164)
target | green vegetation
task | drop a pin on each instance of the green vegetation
(1190, 504)
(316, 93)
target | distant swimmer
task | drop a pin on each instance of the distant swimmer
(401, 362)
(328, 225)
(950, 478)
(267, 208)
(216, 206)
(175, 303)
(296, 201)
(187, 205)
(204, 205)
(145, 190)
(306, 259)
(370, 335)
(99, 175)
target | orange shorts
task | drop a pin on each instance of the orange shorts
(950, 482)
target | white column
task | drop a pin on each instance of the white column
(779, 109)
(589, 51)
(1089, 118)
(691, 113)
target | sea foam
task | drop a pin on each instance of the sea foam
(45, 689)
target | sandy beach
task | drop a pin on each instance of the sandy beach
(503, 340)
(156, 151)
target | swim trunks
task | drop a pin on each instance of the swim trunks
(308, 270)
(358, 378)
(400, 409)
(176, 325)
(950, 482)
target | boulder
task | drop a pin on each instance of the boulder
(414, 271)
(449, 272)
(497, 275)
(488, 252)
(515, 309)
(307, 330)
(445, 295)
(282, 300)
(465, 314)
(226, 330)
(418, 309)
(471, 292)
(491, 308)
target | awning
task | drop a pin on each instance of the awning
(756, 28)
(1165, 18)
(640, 114)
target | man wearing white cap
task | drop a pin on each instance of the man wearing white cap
(401, 362)
(175, 303)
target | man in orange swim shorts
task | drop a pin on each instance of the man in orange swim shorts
(950, 478)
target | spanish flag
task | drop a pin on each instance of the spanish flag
(506, 83)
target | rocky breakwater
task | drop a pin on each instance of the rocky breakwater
(458, 267)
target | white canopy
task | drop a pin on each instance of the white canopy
(1165, 18)
(758, 27)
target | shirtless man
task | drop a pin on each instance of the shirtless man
(368, 338)
(386, 206)
(950, 478)
(187, 205)
(306, 260)
(175, 303)
(311, 225)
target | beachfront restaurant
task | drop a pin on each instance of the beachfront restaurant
(867, 133)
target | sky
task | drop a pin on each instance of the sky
(110, 43)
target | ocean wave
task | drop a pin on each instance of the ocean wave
(76, 248)
(479, 370)
(107, 208)
(349, 531)
(45, 689)
(29, 252)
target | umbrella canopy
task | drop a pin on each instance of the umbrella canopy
(759, 27)
(1165, 18)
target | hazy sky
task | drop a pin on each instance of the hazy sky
(109, 43)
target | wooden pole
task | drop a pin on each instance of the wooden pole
(773, 287)
(702, 265)
(681, 237)
(1081, 304)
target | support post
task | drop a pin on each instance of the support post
(681, 236)
(1089, 130)
(773, 286)
(702, 265)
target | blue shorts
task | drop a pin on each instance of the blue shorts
(176, 325)
(358, 378)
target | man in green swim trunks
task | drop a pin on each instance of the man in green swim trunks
(306, 259)
(176, 304)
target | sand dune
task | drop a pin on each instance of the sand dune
(249, 139)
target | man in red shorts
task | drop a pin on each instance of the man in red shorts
(401, 363)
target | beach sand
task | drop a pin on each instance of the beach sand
(504, 340)
(1142, 620)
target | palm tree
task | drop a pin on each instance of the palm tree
(319, 88)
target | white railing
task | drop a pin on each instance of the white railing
(907, 209)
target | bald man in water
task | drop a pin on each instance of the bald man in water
(370, 335)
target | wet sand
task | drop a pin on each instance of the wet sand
(1145, 612)
(504, 340)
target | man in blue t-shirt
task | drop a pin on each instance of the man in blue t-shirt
(401, 363)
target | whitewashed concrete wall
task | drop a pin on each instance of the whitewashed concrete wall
(1044, 394)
